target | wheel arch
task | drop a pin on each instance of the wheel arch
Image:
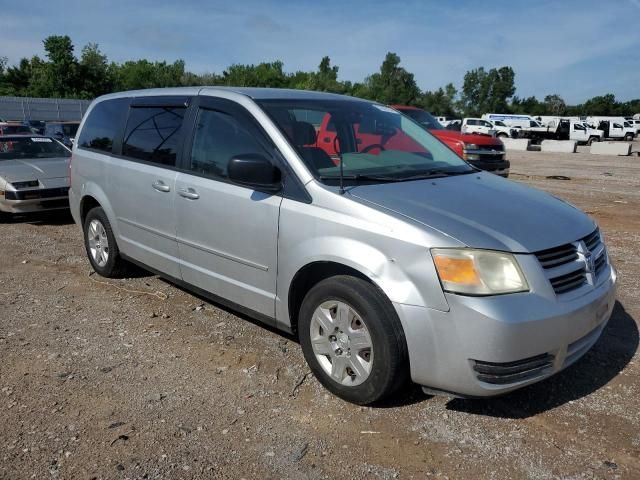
(93, 196)
(310, 275)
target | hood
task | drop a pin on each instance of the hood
(34, 169)
(482, 211)
(452, 135)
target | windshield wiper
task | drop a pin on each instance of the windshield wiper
(358, 177)
(384, 178)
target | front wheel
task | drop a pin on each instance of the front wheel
(628, 137)
(592, 140)
(502, 135)
(352, 340)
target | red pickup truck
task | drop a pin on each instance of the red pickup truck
(482, 151)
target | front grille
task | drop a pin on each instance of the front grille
(512, 372)
(592, 241)
(569, 281)
(555, 257)
(566, 266)
(37, 193)
(60, 203)
(491, 147)
(600, 263)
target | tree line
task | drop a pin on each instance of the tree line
(63, 75)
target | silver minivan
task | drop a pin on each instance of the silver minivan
(346, 223)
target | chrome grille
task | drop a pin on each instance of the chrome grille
(555, 257)
(592, 241)
(569, 281)
(572, 265)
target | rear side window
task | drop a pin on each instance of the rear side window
(218, 138)
(153, 134)
(102, 125)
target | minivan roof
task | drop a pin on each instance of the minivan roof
(251, 92)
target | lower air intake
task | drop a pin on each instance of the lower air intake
(512, 372)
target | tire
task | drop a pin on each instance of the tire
(4, 217)
(103, 256)
(628, 137)
(502, 135)
(592, 140)
(363, 375)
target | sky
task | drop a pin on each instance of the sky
(577, 49)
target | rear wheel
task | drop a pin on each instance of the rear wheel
(100, 244)
(352, 340)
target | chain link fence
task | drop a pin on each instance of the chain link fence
(29, 108)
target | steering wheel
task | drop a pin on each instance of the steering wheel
(371, 147)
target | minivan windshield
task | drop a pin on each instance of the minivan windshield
(19, 148)
(374, 143)
(425, 119)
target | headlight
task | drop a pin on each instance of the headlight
(470, 146)
(478, 272)
(27, 184)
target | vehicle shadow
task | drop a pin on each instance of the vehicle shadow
(53, 217)
(613, 351)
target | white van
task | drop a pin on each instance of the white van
(510, 119)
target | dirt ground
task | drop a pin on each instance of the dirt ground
(137, 378)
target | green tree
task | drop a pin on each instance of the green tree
(266, 74)
(601, 105)
(528, 106)
(441, 101)
(95, 75)
(555, 105)
(325, 79)
(132, 75)
(392, 84)
(490, 91)
(59, 76)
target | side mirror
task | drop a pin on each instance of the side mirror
(255, 171)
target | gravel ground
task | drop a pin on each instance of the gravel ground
(137, 378)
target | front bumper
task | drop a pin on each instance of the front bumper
(448, 351)
(34, 200)
(499, 167)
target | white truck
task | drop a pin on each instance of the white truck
(485, 127)
(613, 127)
(635, 124)
(572, 128)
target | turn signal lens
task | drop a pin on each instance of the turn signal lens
(457, 270)
(478, 272)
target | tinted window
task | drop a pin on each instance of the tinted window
(13, 129)
(17, 148)
(103, 123)
(153, 134)
(218, 138)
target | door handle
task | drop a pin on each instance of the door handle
(189, 193)
(160, 186)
